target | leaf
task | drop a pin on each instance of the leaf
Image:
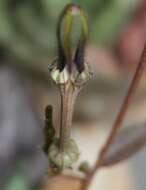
(127, 143)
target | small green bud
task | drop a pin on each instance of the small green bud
(63, 159)
(84, 167)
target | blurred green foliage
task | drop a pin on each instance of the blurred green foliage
(17, 182)
(27, 27)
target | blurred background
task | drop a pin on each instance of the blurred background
(27, 47)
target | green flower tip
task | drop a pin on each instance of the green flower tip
(64, 32)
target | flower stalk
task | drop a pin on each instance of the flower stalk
(70, 73)
(68, 98)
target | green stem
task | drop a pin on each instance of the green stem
(68, 97)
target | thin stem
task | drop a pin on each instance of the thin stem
(68, 97)
(118, 121)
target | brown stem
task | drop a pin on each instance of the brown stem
(118, 121)
(68, 97)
